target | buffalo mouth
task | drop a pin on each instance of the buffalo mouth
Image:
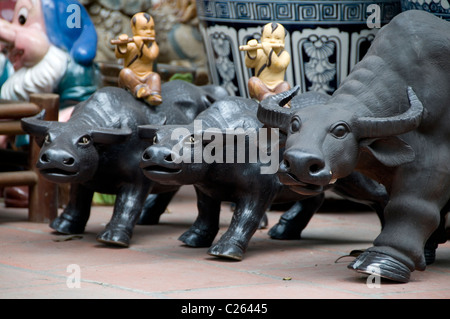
(57, 172)
(57, 175)
(298, 186)
(158, 169)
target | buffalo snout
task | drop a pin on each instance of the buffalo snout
(158, 157)
(59, 166)
(306, 167)
(57, 158)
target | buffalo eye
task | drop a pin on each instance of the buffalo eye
(47, 139)
(22, 16)
(191, 139)
(155, 139)
(295, 124)
(84, 140)
(340, 130)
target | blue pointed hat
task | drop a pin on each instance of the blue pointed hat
(70, 28)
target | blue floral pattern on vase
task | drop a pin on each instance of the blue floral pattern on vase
(440, 8)
(325, 38)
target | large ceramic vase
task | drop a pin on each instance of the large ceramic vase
(325, 38)
(440, 8)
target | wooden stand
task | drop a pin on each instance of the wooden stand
(43, 195)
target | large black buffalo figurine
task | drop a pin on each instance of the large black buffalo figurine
(214, 153)
(389, 119)
(98, 150)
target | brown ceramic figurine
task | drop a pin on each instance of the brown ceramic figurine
(138, 54)
(187, 10)
(270, 60)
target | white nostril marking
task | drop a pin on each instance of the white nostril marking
(68, 161)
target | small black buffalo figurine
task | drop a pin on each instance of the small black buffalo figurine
(389, 120)
(98, 150)
(214, 153)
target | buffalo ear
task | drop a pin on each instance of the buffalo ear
(390, 151)
(110, 135)
(149, 131)
(158, 119)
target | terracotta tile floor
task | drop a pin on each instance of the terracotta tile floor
(34, 261)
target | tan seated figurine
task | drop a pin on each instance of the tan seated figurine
(270, 60)
(138, 54)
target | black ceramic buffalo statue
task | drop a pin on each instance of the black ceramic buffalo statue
(228, 156)
(389, 120)
(98, 150)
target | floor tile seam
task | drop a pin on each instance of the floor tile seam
(5, 290)
(224, 266)
(158, 294)
(200, 289)
(310, 283)
(32, 271)
(83, 267)
(405, 293)
(438, 271)
(277, 279)
(328, 287)
(53, 275)
(104, 284)
(313, 285)
(257, 273)
(153, 294)
(34, 231)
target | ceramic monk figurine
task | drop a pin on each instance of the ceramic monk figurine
(139, 54)
(270, 60)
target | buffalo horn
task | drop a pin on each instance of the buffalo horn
(38, 127)
(35, 125)
(395, 125)
(271, 111)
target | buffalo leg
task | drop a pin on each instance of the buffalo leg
(127, 210)
(75, 216)
(206, 226)
(246, 219)
(154, 206)
(359, 188)
(293, 221)
(411, 217)
(438, 237)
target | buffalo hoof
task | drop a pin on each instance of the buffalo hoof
(228, 251)
(430, 253)
(116, 237)
(283, 230)
(66, 226)
(374, 263)
(430, 256)
(195, 237)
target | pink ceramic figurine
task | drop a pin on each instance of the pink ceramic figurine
(51, 44)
